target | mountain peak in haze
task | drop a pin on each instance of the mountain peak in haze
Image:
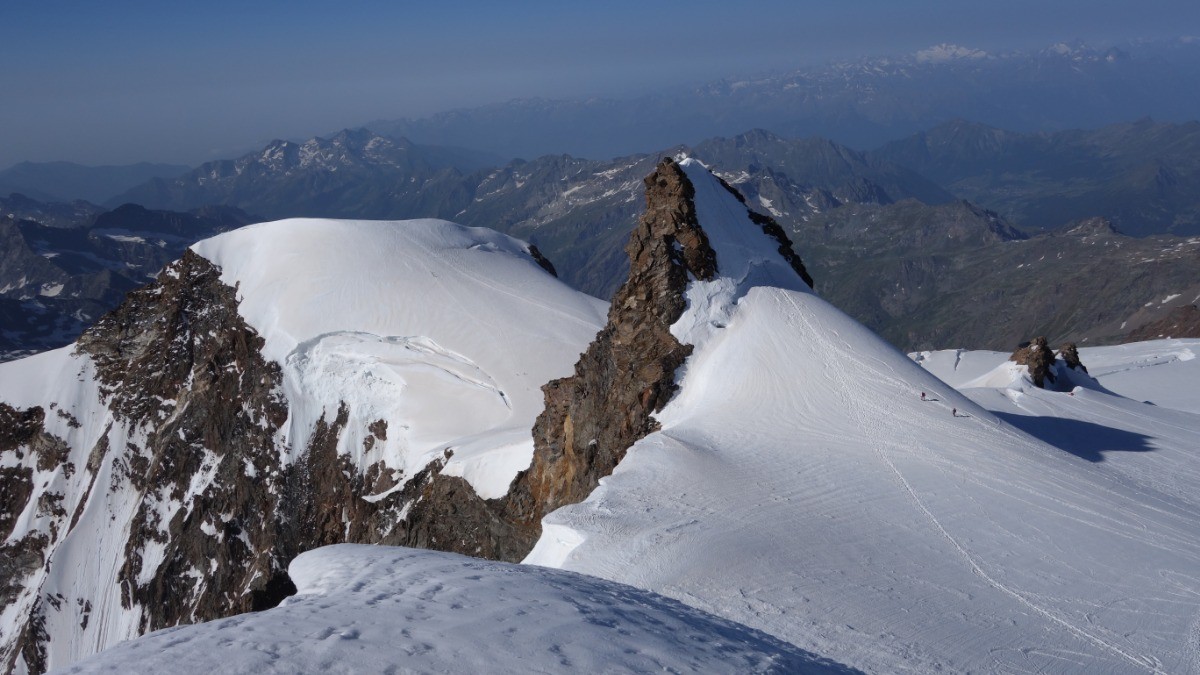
(945, 52)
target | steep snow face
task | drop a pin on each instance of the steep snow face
(800, 485)
(746, 257)
(376, 609)
(444, 332)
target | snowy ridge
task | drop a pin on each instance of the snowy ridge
(746, 257)
(374, 609)
(444, 332)
(801, 486)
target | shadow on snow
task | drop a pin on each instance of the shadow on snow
(1085, 440)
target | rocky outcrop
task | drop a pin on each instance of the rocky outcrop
(542, 261)
(1037, 357)
(592, 417)
(628, 372)
(178, 362)
(1045, 367)
(1069, 355)
(30, 452)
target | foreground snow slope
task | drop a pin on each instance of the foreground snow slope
(448, 330)
(799, 485)
(375, 609)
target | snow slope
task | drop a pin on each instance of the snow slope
(445, 331)
(374, 609)
(800, 486)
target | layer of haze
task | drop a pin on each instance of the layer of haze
(127, 80)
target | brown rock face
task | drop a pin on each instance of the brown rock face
(628, 372)
(1038, 358)
(1069, 354)
(177, 360)
(23, 438)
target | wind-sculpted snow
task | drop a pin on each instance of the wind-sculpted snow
(799, 484)
(373, 609)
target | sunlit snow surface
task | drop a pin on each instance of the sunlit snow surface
(446, 332)
(801, 486)
(376, 609)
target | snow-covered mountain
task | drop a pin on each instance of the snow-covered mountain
(283, 386)
(861, 103)
(726, 439)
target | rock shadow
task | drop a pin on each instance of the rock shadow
(1085, 440)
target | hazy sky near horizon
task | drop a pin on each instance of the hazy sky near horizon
(186, 81)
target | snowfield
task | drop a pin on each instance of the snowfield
(376, 609)
(446, 332)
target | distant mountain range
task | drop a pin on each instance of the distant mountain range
(861, 103)
(352, 173)
(56, 279)
(894, 248)
(67, 181)
(1144, 175)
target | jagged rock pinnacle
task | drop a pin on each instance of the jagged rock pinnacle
(628, 372)
(1038, 358)
(1069, 353)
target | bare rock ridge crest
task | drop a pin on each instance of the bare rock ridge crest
(197, 415)
(628, 372)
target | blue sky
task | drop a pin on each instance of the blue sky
(185, 81)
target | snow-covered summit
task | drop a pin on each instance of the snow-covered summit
(945, 52)
(446, 332)
(746, 256)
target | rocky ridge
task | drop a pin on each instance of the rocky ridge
(1044, 366)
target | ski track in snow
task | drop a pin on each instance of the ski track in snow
(867, 422)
